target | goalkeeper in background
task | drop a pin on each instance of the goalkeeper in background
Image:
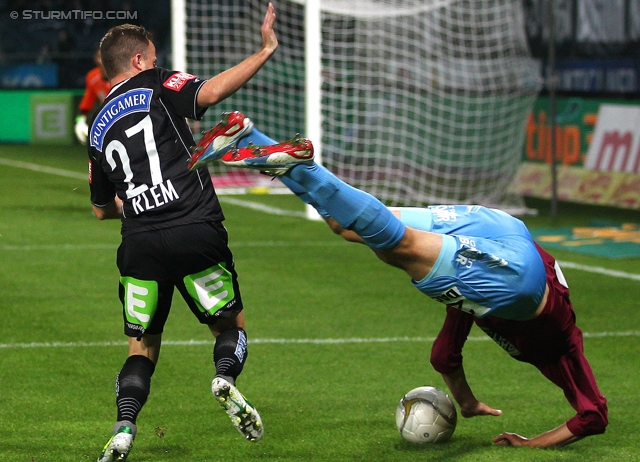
(481, 263)
(96, 90)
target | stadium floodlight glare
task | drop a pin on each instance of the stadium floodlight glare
(421, 101)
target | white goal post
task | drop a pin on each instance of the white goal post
(415, 101)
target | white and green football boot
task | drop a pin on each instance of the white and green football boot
(119, 446)
(243, 415)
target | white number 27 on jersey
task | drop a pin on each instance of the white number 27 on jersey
(116, 146)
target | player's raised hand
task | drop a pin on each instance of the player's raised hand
(269, 39)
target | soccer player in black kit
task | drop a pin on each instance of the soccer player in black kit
(172, 232)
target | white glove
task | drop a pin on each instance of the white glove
(82, 129)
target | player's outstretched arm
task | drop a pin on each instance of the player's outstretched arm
(228, 82)
(560, 436)
(461, 391)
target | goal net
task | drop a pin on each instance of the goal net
(422, 101)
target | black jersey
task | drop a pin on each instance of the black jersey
(139, 144)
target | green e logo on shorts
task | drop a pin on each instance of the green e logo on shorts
(211, 289)
(140, 300)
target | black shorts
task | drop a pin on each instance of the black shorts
(194, 258)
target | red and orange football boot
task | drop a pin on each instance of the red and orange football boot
(220, 139)
(275, 159)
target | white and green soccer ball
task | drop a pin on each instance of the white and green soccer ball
(426, 415)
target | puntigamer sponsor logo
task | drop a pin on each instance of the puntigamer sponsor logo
(137, 100)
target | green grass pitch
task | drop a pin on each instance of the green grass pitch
(61, 342)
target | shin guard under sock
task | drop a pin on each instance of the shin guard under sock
(260, 139)
(230, 353)
(352, 208)
(133, 386)
(302, 194)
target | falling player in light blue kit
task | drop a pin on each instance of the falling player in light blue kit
(482, 263)
(500, 273)
(479, 275)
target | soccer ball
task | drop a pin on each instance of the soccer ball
(426, 415)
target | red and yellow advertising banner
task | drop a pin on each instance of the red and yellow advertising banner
(597, 152)
(616, 140)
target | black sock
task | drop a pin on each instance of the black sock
(133, 385)
(230, 353)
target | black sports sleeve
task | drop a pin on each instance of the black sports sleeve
(180, 90)
(102, 190)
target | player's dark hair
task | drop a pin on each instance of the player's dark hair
(120, 44)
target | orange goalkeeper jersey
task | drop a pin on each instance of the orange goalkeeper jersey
(96, 90)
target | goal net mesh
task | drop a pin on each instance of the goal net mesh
(423, 101)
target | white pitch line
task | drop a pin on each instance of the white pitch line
(84, 176)
(599, 270)
(284, 341)
(261, 207)
(44, 169)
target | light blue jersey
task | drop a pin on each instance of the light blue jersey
(489, 264)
